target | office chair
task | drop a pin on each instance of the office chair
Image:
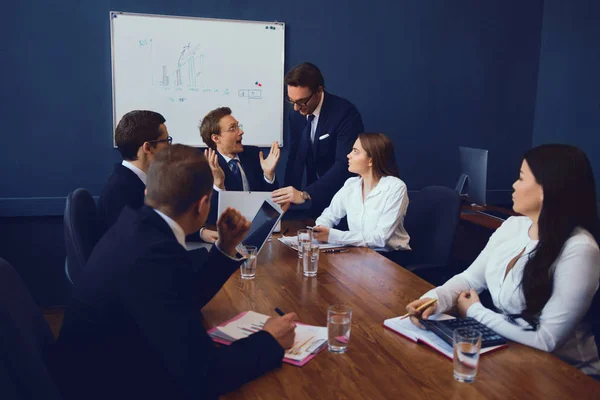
(82, 231)
(25, 342)
(431, 221)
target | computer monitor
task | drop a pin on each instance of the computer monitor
(473, 179)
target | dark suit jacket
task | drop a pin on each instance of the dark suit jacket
(124, 188)
(254, 173)
(133, 329)
(342, 122)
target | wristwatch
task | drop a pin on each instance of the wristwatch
(305, 196)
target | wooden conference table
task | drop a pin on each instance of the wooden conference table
(379, 364)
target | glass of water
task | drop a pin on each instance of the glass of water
(304, 236)
(248, 267)
(467, 345)
(339, 320)
(310, 259)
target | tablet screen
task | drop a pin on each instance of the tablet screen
(263, 223)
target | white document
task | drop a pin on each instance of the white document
(292, 242)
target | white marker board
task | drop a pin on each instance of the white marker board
(183, 67)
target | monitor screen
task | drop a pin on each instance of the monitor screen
(473, 169)
(262, 225)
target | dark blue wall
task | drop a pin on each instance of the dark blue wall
(431, 74)
(568, 100)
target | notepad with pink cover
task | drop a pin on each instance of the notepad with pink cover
(310, 340)
(406, 328)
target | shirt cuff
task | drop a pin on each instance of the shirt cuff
(228, 256)
(335, 236)
(200, 232)
(218, 189)
(476, 311)
(270, 182)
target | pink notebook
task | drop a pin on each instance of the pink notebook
(310, 340)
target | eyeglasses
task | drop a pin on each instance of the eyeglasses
(300, 103)
(235, 128)
(168, 140)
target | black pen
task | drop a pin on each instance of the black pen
(278, 311)
(284, 232)
(335, 250)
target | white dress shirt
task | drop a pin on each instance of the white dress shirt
(245, 183)
(140, 174)
(315, 121)
(377, 222)
(575, 281)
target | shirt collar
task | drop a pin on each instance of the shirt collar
(318, 109)
(175, 227)
(227, 159)
(140, 174)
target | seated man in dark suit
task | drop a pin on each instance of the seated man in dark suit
(235, 167)
(138, 136)
(322, 129)
(133, 329)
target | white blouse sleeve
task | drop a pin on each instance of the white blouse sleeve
(389, 218)
(575, 282)
(473, 277)
(332, 215)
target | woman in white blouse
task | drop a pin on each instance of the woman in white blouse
(542, 269)
(374, 202)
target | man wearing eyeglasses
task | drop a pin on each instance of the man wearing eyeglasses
(139, 135)
(235, 167)
(322, 129)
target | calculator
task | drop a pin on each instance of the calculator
(445, 330)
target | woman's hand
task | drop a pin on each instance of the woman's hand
(321, 233)
(414, 314)
(466, 300)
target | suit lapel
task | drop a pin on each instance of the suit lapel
(321, 124)
(230, 180)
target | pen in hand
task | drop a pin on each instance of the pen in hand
(421, 308)
(278, 311)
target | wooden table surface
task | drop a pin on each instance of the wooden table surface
(379, 364)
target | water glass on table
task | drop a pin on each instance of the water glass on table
(310, 258)
(339, 320)
(248, 267)
(467, 345)
(304, 236)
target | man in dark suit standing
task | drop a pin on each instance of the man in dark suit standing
(322, 129)
(138, 136)
(133, 329)
(235, 167)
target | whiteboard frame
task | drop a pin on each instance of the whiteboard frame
(113, 14)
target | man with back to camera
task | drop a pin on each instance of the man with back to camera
(322, 129)
(138, 136)
(133, 329)
(235, 167)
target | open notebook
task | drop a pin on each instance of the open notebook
(406, 328)
(309, 341)
(292, 242)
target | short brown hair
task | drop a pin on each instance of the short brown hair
(305, 75)
(381, 150)
(135, 128)
(178, 176)
(210, 125)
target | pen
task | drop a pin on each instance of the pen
(310, 227)
(284, 232)
(278, 311)
(335, 250)
(422, 307)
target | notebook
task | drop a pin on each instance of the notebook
(406, 328)
(309, 341)
(292, 242)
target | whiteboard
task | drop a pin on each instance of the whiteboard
(183, 67)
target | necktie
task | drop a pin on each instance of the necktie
(311, 173)
(235, 169)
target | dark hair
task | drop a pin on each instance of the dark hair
(210, 125)
(305, 75)
(135, 128)
(381, 149)
(566, 177)
(178, 176)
